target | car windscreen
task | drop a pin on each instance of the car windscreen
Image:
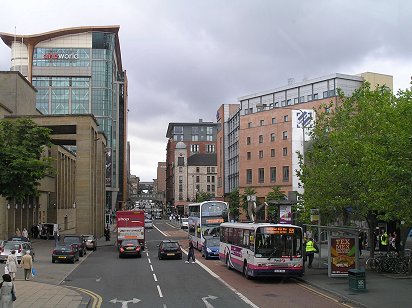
(213, 242)
(71, 240)
(12, 246)
(170, 245)
(130, 242)
(63, 248)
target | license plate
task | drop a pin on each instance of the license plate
(61, 257)
(279, 271)
(170, 254)
(129, 248)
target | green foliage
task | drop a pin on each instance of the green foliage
(275, 195)
(204, 196)
(360, 159)
(234, 204)
(21, 162)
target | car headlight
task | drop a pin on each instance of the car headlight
(208, 250)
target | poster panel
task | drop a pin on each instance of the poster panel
(342, 255)
(285, 213)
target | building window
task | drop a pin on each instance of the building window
(178, 137)
(260, 154)
(302, 99)
(260, 138)
(212, 169)
(276, 104)
(283, 103)
(180, 179)
(250, 110)
(285, 135)
(249, 125)
(194, 147)
(273, 120)
(248, 140)
(309, 97)
(289, 102)
(331, 92)
(285, 151)
(209, 130)
(178, 130)
(195, 137)
(325, 94)
(210, 148)
(248, 155)
(261, 175)
(180, 169)
(262, 122)
(272, 152)
(285, 173)
(272, 137)
(208, 178)
(273, 174)
(195, 130)
(212, 178)
(180, 188)
(285, 118)
(209, 137)
(180, 161)
(315, 96)
(213, 188)
(249, 176)
(208, 188)
(197, 179)
(197, 169)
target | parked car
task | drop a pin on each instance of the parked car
(90, 241)
(18, 239)
(130, 248)
(19, 247)
(169, 249)
(148, 223)
(185, 223)
(210, 247)
(65, 253)
(75, 239)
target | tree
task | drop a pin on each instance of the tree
(22, 164)
(360, 159)
(234, 204)
(203, 196)
(275, 195)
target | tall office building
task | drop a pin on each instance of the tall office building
(79, 71)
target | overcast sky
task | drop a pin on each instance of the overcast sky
(186, 58)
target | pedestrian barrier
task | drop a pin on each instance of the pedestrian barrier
(357, 280)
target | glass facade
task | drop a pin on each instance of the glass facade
(75, 93)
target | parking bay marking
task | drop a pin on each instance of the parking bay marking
(208, 305)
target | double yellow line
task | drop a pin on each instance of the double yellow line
(97, 299)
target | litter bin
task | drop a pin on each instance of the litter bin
(357, 279)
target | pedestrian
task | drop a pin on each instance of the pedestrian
(12, 264)
(191, 253)
(170, 218)
(24, 233)
(6, 288)
(392, 242)
(27, 264)
(34, 231)
(384, 240)
(360, 242)
(18, 232)
(311, 248)
(56, 237)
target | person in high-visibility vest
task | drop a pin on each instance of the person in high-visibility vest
(311, 248)
(384, 241)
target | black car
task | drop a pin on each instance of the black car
(169, 249)
(65, 253)
(130, 248)
(75, 239)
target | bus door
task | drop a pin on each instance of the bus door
(248, 242)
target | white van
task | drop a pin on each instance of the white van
(47, 230)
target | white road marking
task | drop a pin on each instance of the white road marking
(160, 231)
(154, 277)
(208, 305)
(147, 254)
(151, 267)
(149, 261)
(241, 296)
(160, 291)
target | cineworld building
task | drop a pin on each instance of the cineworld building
(79, 71)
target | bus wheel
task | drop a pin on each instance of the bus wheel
(245, 271)
(228, 262)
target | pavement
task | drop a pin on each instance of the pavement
(48, 290)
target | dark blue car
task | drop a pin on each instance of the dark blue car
(211, 248)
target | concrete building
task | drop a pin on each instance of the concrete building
(79, 71)
(258, 139)
(185, 140)
(160, 187)
(74, 195)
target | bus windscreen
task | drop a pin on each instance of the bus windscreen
(276, 242)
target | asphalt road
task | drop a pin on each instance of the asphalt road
(149, 282)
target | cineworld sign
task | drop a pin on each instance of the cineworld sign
(61, 56)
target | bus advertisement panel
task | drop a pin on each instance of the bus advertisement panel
(262, 249)
(205, 219)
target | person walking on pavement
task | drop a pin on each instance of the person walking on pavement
(191, 253)
(56, 237)
(12, 264)
(311, 248)
(24, 233)
(6, 287)
(384, 240)
(27, 264)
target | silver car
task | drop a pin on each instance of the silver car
(19, 247)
